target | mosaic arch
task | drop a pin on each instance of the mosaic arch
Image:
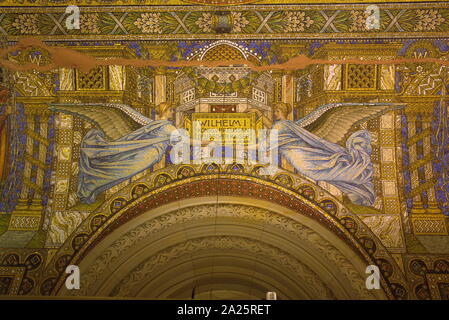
(376, 96)
(242, 202)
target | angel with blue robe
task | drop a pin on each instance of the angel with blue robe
(311, 145)
(122, 144)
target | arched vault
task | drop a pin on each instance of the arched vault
(224, 232)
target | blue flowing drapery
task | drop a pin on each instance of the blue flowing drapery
(104, 163)
(349, 169)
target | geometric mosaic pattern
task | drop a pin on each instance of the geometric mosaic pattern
(177, 22)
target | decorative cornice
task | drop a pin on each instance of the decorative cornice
(260, 22)
(184, 182)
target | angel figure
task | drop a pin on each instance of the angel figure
(123, 143)
(311, 146)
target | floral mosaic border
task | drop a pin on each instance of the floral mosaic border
(252, 22)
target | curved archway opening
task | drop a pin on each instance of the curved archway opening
(223, 248)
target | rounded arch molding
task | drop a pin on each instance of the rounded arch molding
(298, 239)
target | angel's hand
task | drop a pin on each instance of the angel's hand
(256, 111)
(204, 143)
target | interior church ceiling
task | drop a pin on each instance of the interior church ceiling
(179, 149)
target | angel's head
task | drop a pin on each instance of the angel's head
(281, 110)
(164, 110)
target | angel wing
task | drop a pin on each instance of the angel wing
(114, 119)
(333, 121)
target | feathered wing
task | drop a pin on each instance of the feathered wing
(115, 120)
(333, 121)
